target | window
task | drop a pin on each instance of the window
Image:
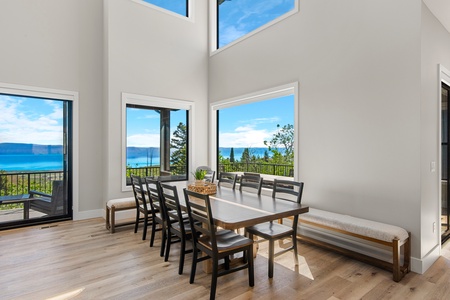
(177, 6)
(36, 155)
(156, 135)
(256, 133)
(237, 18)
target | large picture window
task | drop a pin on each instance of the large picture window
(238, 18)
(258, 133)
(156, 139)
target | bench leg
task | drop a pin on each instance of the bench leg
(396, 271)
(107, 220)
(113, 219)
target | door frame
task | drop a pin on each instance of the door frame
(39, 92)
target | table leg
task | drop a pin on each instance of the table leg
(26, 210)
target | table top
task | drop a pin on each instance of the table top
(233, 209)
(14, 198)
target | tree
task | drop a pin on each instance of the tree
(283, 138)
(232, 155)
(266, 156)
(222, 1)
(178, 146)
(245, 156)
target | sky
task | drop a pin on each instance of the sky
(30, 120)
(236, 17)
(249, 125)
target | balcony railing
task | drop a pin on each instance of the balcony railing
(262, 168)
(22, 183)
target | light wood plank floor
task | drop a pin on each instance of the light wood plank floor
(82, 260)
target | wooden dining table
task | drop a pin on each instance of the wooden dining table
(233, 209)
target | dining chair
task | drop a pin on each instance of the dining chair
(285, 190)
(215, 244)
(158, 213)
(251, 181)
(142, 205)
(229, 179)
(179, 226)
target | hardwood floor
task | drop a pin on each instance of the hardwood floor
(82, 260)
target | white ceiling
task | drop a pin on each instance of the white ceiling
(441, 9)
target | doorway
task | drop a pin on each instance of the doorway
(35, 160)
(445, 161)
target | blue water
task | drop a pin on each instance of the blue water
(54, 162)
(31, 162)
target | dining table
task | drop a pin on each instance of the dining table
(234, 209)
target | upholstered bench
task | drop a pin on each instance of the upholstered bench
(393, 237)
(114, 205)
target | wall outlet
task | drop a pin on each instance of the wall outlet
(434, 227)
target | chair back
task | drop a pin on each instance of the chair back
(251, 181)
(139, 193)
(227, 178)
(171, 202)
(282, 188)
(58, 205)
(200, 217)
(154, 196)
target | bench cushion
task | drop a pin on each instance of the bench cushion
(122, 203)
(376, 230)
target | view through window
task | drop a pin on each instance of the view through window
(236, 18)
(156, 142)
(257, 137)
(34, 159)
(177, 6)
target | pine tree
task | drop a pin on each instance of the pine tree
(179, 142)
(232, 155)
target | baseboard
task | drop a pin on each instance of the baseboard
(89, 214)
(421, 265)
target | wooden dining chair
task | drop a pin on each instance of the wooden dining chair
(159, 215)
(215, 244)
(142, 205)
(179, 225)
(229, 179)
(288, 191)
(251, 181)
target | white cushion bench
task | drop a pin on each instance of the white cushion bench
(114, 205)
(394, 237)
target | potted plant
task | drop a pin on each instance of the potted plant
(199, 176)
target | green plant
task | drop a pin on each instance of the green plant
(199, 174)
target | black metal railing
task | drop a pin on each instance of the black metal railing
(21, 183)
(262, 168)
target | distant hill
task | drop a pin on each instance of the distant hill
(134, 152)
(18, 148)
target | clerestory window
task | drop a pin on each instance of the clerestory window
(180, 7)
(238, 18)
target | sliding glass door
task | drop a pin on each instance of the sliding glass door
(445, 200)
(35, 160)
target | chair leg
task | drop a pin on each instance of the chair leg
(168, 242)
(137, 221)
(215, 269)
(182, 254)
(271, 257)
(144, 234)
(194, 265)
(152, 238)
(294, 245)
(163, 240)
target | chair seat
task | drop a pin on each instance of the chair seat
(270, 230)
(227, 240)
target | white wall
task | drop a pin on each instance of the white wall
(152, 53)
(358, 68)
(45, 44)
(435, 50)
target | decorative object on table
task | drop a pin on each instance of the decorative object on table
(206, 188)
(199, 176)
